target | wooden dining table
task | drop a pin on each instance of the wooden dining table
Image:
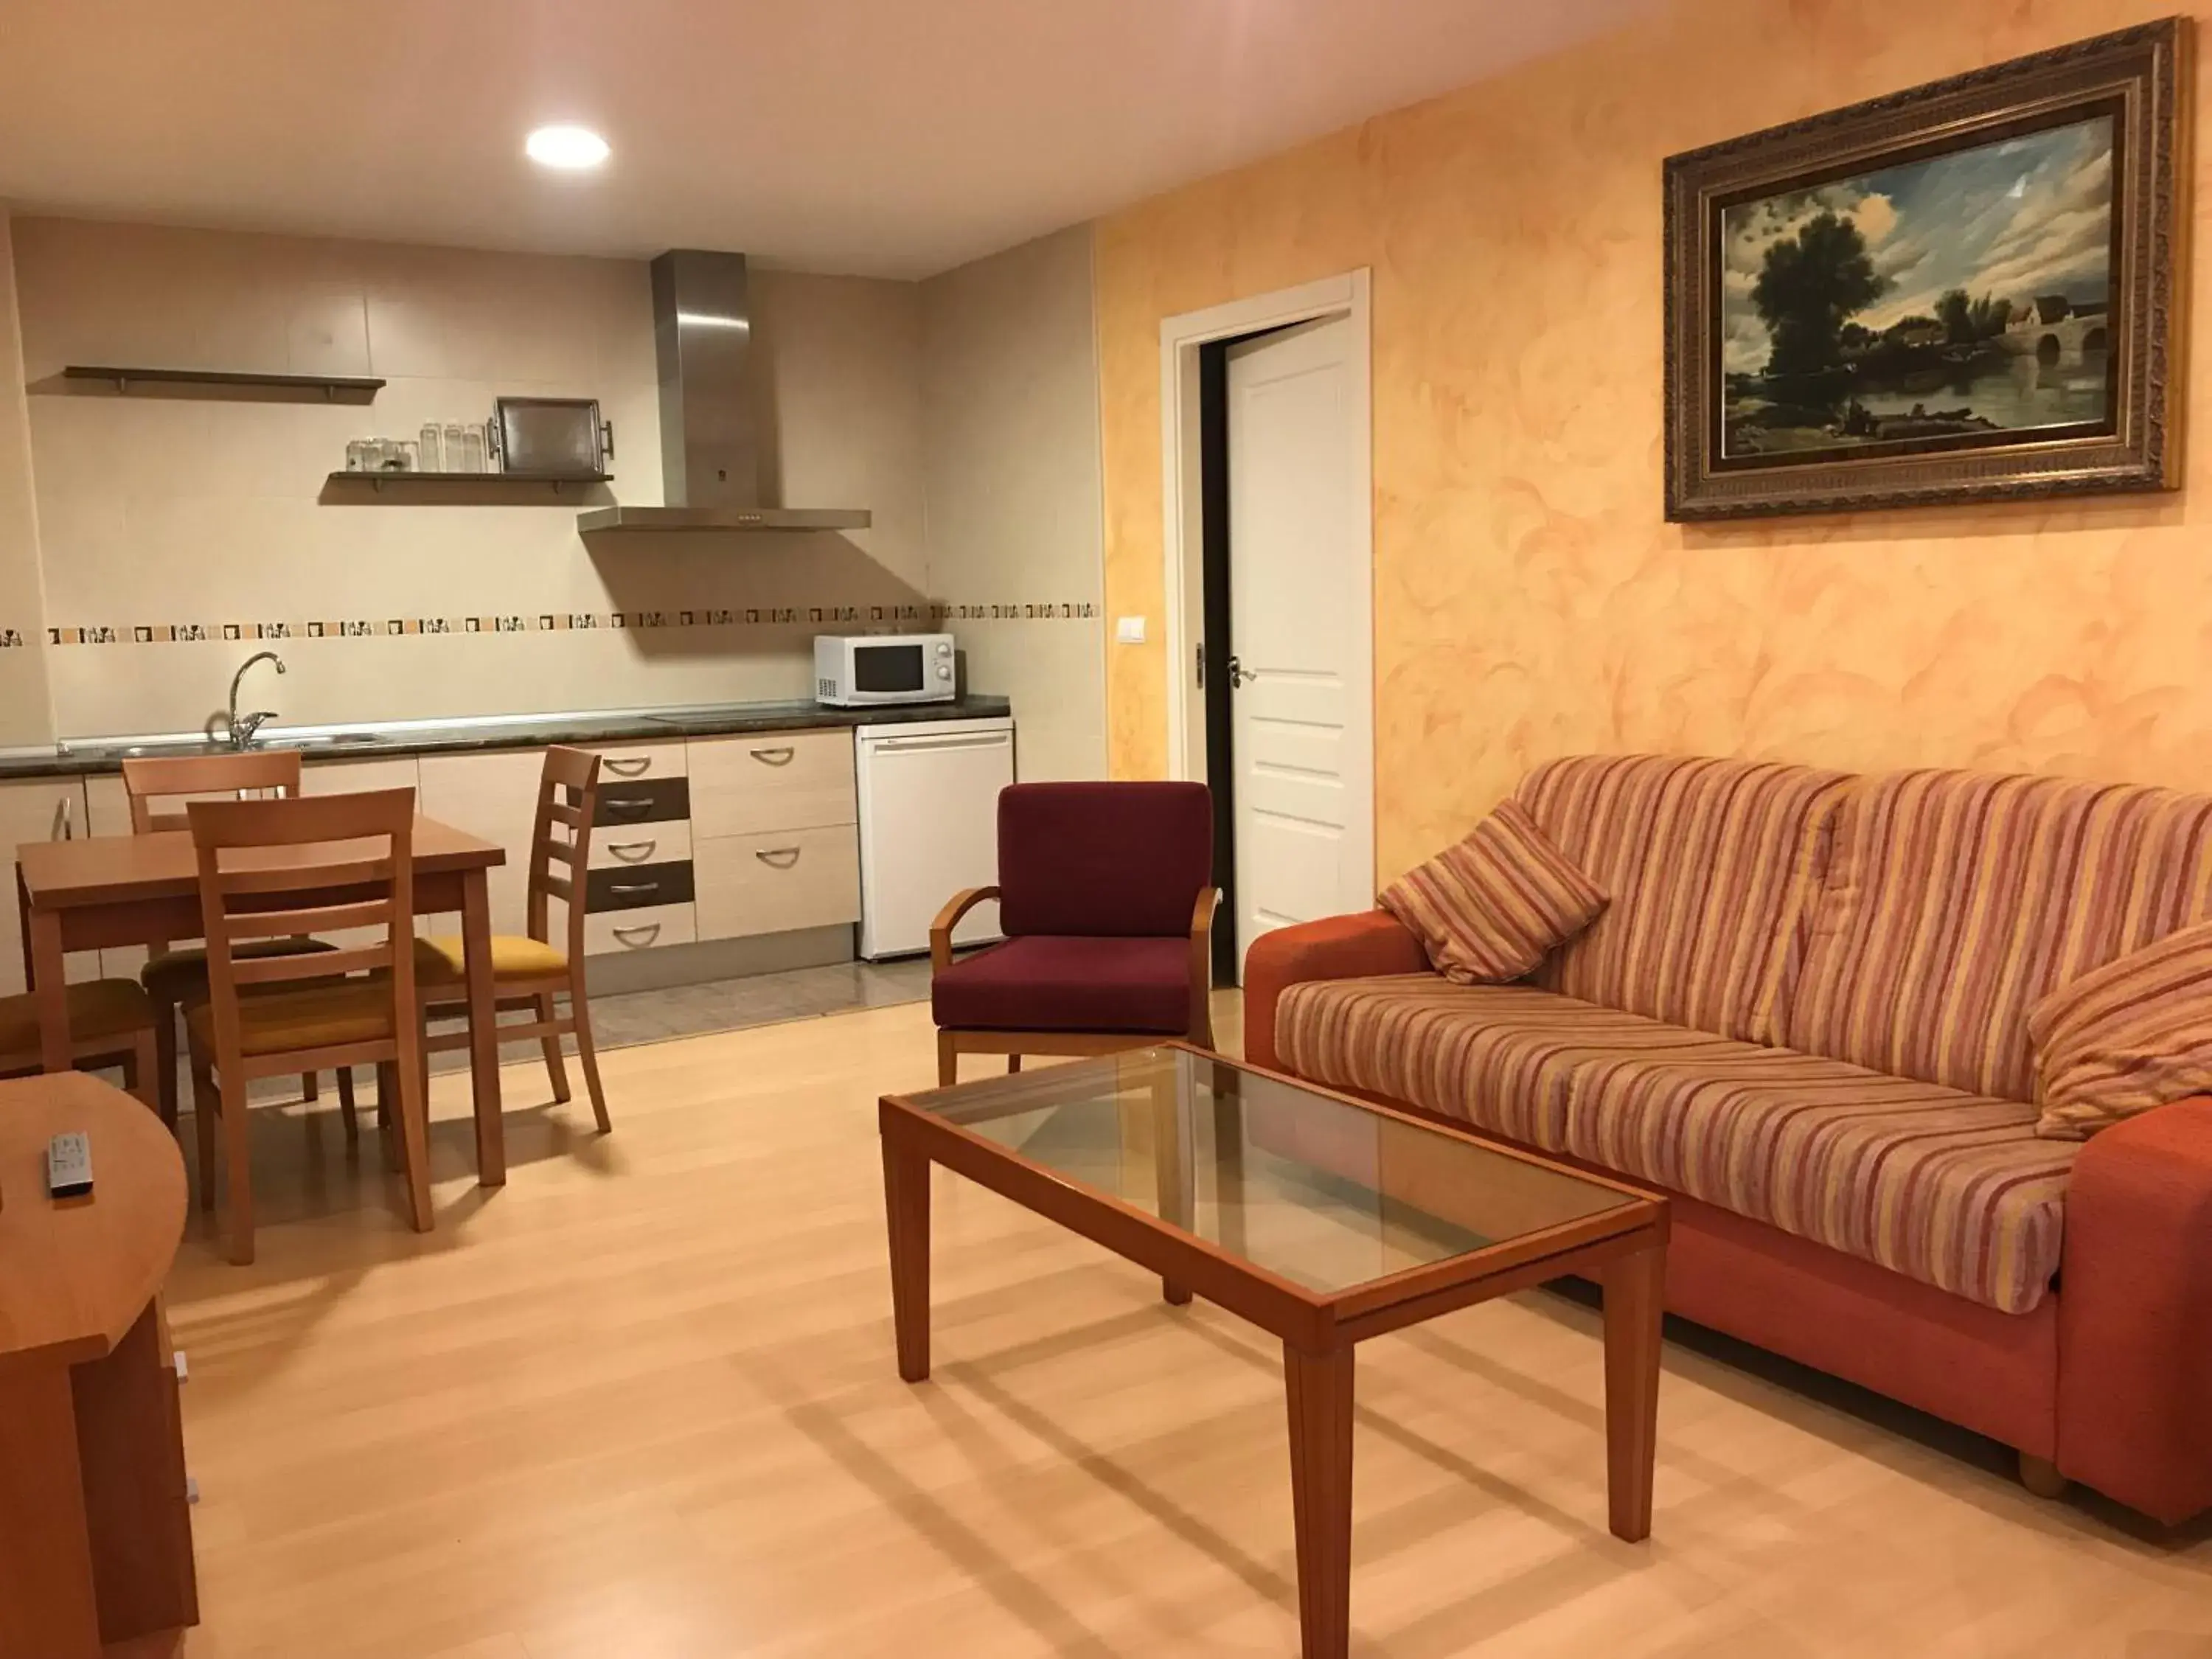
(110, 891)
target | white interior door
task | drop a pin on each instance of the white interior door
(1300, 628)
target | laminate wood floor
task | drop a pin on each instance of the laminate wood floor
(640, 1404)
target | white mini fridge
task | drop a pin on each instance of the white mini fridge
(929, 827)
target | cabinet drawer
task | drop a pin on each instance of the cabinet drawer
(650, 800)
(776, 780)
(617, 930)
(630, 846)
(627, 763)
(774, 883)
(643, 888)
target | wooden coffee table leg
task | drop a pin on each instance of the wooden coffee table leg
(906, 1209)
(1320, 1389)
(1635, 1298)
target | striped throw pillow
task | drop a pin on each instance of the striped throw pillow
(2123, 1038)
(1488, 909)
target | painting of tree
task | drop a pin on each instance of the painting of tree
(1810, 286)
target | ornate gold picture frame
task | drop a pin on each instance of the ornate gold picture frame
(1968, 292)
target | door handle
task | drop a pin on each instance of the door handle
(780, 756)
(643, 934)
(619, 806)
(777, 857)
(626, 888)
(637, 765)
(632, 852)
(1236, 674)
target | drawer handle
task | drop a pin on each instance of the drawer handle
(781, 858)
(626, 888)
(632, 852)
(635, 768)
(782, 756)
(625, 806)
(644, 934)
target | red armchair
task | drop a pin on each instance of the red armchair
(1106, 896)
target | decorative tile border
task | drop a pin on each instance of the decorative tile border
(917, 616)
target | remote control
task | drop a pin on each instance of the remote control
(68, 1166)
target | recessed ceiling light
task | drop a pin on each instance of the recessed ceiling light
(570, 150)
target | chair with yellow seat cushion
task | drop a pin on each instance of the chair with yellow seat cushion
(111, 1024)
(356, 870)
(529, 972)
(439, 960)
(175, 979)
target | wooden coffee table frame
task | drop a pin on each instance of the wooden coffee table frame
(1624, 1250)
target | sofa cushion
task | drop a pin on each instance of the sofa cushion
(1953, 1189)
(2121, 1039)
(1712, 866)
(1492, 907)
(1957, 901)
(1042, 983)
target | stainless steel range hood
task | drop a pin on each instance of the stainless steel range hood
(709, 451)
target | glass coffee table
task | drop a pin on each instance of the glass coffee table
(1321, 1218)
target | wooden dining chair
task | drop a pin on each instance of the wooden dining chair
(111, 1023)
(531, 971)
(157, 788)
(278, 869)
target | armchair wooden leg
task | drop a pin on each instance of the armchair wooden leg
(347, 1115)
(1013, 1064)
(948, 1060)
(553, 1068)
(165, 1062)
(311, 1086)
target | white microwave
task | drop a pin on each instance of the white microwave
(859, 670)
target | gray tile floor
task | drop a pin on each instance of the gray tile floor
(723, 1005)
(733, 1005)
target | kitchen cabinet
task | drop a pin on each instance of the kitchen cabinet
(778, 881)
(774, 844)
(494, 796)
(742, 786)
(37, 809)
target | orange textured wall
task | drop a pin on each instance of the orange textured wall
(1530, 600)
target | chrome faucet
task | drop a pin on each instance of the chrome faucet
(243, 727)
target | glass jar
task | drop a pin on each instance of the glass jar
(360, 455)
(433, 453)
(473, 447)
(456, 449)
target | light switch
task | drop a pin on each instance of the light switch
(1129, 630)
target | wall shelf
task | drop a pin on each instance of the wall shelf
(509, 482)
(351, 388)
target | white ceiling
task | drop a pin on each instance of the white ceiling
(892, 137)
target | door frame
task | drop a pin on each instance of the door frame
(1181, 474)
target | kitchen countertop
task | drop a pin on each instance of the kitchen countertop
(367, 741)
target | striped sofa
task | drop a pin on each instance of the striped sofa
(1804, 1014)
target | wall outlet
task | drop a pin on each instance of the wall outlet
(1129, 630)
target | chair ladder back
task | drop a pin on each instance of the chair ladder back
(568, 800)
(302, 867)
(152, 779)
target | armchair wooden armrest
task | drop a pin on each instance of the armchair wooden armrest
(1201, 966)
(941, 931)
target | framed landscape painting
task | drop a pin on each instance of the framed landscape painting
(1971, 291)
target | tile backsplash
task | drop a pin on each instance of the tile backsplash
(199, 525)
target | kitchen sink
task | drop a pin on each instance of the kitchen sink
(321, 740)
